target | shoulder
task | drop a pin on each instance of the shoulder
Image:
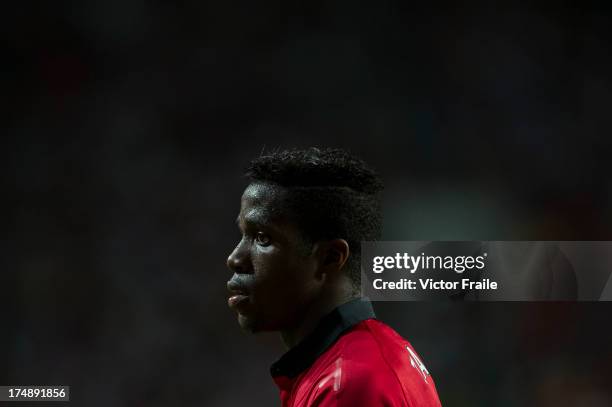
(370, 367)
(351, 382)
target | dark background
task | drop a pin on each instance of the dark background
(126, 127)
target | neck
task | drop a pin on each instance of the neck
(311, 316)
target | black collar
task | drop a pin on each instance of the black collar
(303, 355)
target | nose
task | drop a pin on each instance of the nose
(238, 261)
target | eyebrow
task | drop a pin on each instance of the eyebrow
(263, 221)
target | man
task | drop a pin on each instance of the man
(297, 271)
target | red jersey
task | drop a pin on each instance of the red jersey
(352, 359)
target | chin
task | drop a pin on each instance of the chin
(255, 325)
(248, 324)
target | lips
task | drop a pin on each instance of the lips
(236, 300)
(239, 295)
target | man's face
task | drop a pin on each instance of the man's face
(274, 270)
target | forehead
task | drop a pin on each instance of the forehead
(265, 201)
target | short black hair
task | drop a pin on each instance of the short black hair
(332, 194)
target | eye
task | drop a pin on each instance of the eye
(262, 239)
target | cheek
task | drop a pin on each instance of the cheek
(282, 276)
(282, 290)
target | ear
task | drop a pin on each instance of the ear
(333, 255)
